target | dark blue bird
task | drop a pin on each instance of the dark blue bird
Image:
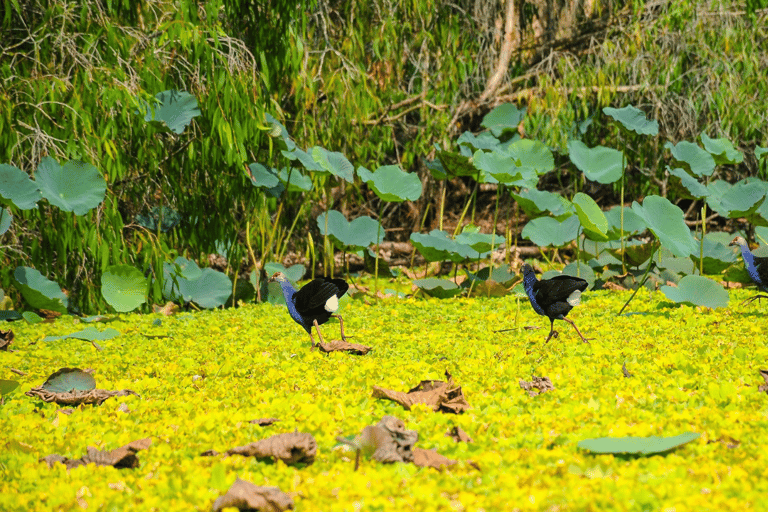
(554, 298)
(756, 266)
(314, 303)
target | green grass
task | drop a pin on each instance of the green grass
(694, 370)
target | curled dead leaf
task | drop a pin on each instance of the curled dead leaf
(167, 310)
(458, 435)
(343, 346)
(626, 372)
(441, 396)
(291, 448)
(430, 459)
(94, 396)
(123, 457)
(537, 386)
(244, 495)
(388, 440)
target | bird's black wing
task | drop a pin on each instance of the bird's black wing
(557, 289)
(316, 293)
(761, 265)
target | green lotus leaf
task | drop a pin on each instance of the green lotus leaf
(18, 188)
(123, 287)
(504, 118)
(279, 130)
(5, 220)
(760, 152)
(439, 246)
(174, 109)
(699, 161)
(480, 242)
(581, 270)
(592, 218)
(435, 168)
(210, 290)
(360, 233)
(298, 181)
(536, 203)
(334, 163)
(547, 231)
(533, 155)
(600, 164)
(696, 189)
(485, 140)
(74, 187)
(304, 158)
(440, 288)
(743, 199)
(667, 222)
(722, 150)
(391, 183)
(69, 379)
(39, 292)
(636, 445)
(88, 334)
(263, 177)
(294, 273)
(164, 217)
(717, 256)
(634, 119)
(697, 291)
(456, 164)
(633, 223)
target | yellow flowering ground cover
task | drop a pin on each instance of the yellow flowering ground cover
(203, 376)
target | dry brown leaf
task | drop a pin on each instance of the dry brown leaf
(610, 285)
(626, 372)
(123, 457)
(343, 346)
(244, 495)
(458, 435)
(763, 387)
(430, 459)
(537, 386)
(6, 337)
(441, 396)
(264, 422)
(48, 314)
(291, 448)
(388, 440)
(169, 309)
(94, 396)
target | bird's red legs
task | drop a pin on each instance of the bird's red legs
(319, 335)
(758, 297)
(341, 324)
(552, 334)
(585, 340)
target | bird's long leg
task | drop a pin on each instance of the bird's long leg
(758, 297)
(319, 334)
(585, 340)
(552, 332)
(341, 325)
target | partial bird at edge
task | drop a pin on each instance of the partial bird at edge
(756, 266)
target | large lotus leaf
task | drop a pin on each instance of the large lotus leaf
(5, 220)
(600, 164)
(636, 445)
(210, 290)
(456, 164)
(334, 163)
(532, 154)
(699, 161)
(88, 334)
(633, 119)
(435, 168)
(636, 252)
(743, 199)
(304, 158)
(581, 270)
(667, 222)
(541, 202)
(480, 242)
(185, 268)
(722, 150)
(159, 216)
(592, 218)
(500, 275)
(503, 118)
(39, 292)
(483, 141)
(500, 166)
(760, 152)
(298, 181)
(261, 176)
(173, 108)
(74, 187)
(123, 287)
(440, 288)
(294, 273)
(698, 291)
(175, 278)
(7, 386)
(391, 183)
(360, 233)
(279, 130)
(717, 189)
(633, 223)
(438, 246)
(696, 189)
(18, 188)
(69, 379)
(547, 231)
(717, 256)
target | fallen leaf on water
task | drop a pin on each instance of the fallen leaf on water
(244, 495)
(343, 346)
(458, 435)
(73, 386)
(291, 448)
(441, 396)
(537, 386)
(123, 457)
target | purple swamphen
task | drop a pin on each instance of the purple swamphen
(314, 303)
(757, 267)
(554, 298)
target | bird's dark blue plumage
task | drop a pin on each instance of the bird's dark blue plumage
(756, 266)
(314, 303)
(553, 298)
